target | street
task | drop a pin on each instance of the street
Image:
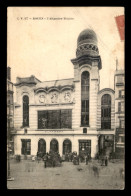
(33, 175)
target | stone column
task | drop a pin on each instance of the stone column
(47, 145)
(60, 147)
(34, 145)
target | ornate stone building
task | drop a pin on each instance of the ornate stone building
(120, 113)
(10, 111)
(70, 114)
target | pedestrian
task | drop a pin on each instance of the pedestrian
(45, 159)
(102, 160)
(33, 158)
(86, 158)
(106, 161)
(95, 171)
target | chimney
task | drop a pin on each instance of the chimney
(8, 73)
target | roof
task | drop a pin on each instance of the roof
(27, 80)
(55, 83)
(87, 35)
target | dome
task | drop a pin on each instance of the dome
(87, 36)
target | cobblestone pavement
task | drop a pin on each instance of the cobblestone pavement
(33, 175)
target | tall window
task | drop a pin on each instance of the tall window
(106, 112)
(25, 111)
(85, 99)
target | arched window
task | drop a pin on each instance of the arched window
(85, 98)
(25, 111)
(106, 112)
(54, 145)
(41, 147)
(67, 146)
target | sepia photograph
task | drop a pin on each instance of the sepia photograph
(66, 98)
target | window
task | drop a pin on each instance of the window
(26, 147)
(122, 124)
(84, 147)
(121, 94)
(121, 139)
(25, 111)
(42, 119)
(84, 130)
(120, 79)
(66, 118)
(106, 112)
(55, 119)
(120, 106)
(85, 99)
(67, 146)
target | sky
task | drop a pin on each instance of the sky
(44, 47)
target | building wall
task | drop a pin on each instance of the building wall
(60, 138)
(119, 115)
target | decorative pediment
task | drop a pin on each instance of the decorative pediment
(39, 90)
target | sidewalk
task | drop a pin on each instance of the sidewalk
(33, 175)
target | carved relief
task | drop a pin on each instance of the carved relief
(67, 97)
(54, 97)
(41, 98)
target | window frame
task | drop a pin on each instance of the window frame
(106, 111)
(25, 112)
(59, 117)
(85, 93)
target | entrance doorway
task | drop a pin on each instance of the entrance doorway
(42, 147)
(67, 146)
(106, 144)
(85, 147)
(54, 145)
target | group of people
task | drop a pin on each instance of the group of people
(50, 159)
(54, 158)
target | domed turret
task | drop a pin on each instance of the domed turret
(87, 43)
(87, 36)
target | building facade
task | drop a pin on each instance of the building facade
(120, 113)
(10, 110)
(70, 114)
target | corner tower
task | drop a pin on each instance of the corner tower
(86, 77)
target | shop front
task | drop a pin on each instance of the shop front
(84, 147)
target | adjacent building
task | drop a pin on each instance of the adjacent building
(120, 113)
(70, 114)
(10, 110)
